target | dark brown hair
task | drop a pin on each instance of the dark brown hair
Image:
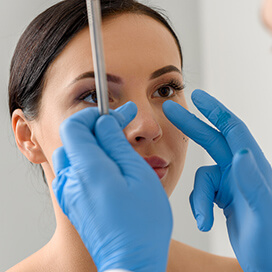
(45, 38)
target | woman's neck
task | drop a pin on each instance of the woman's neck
(68, 252)
(66, 249)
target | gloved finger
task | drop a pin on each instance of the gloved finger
(206, 185)
(89, 116)
(58, 186)
(128, 111)
(113, 141)
(60, 160)
(233, 129)
(76, 133)
(124, 115)
(250, 180)
(67, 193)
(204, 135)
(61, 164)
(80, 145)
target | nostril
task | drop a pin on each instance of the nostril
(138, 139)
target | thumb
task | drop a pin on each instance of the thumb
(249, 179)
(206, 185)
(128, 111)
(111, 138)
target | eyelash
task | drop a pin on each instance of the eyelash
(176, 85)
(88, 93)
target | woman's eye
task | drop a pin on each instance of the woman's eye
(90, 97)
(165, 91)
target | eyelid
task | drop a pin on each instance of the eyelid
(86, 94)
(175, 84)
(85, 85)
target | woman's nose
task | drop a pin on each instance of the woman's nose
(145, 128)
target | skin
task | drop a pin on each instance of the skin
(132, 44)
(267, 14)
(150, 133)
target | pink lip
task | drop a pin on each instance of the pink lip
(159, 165)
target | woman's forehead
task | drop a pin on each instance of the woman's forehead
(131, 41)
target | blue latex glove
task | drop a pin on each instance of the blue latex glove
(111, 195)
(240, 182)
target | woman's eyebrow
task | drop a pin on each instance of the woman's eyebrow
(119, 80)
(164, 70)
(112, 78)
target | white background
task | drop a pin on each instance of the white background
(226, 52)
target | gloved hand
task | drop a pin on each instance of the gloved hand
(240, 182)
(111, 195)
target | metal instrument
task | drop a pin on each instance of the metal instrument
(94, 18)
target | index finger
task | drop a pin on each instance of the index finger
(77, 136)
(77, 131)
(203, 134)
(232, 128)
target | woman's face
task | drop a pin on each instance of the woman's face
(136, 49)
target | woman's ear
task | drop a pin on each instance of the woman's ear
(25, 138)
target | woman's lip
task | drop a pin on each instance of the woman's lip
(161, 172)
(156, 162)
(159, 165)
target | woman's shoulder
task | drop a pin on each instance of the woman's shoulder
(186, 258)
(29, 264)
(24, 266)
(36, 262)
(180, 256)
